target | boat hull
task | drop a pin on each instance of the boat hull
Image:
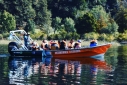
(84, 52)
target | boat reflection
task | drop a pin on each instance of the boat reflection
(66, 68)
(57, 72)
(22, 69)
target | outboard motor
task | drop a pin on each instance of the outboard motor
(12, 45)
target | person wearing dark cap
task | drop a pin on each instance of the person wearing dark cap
(26, 39)
(63, 45)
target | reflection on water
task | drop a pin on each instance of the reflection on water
(74, 71)
(26, 69)
(84, 69)
(120, 72)
(111, 70)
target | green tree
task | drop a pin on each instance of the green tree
(121, 20)
(69, 25)
(7, 22)
(21, 9)
(30, 26)
(111, 4)
(43, 15)
(47, 29)
(105, 24)
(92, 3)
(111, 27)
(66, 8)
(101, 17)
(86, 24)
(63, 33)
(2, 5)
(56, 24)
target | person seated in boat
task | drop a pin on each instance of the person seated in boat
(54, 45)
(63, 45)
(71, 44)
(44, 43)
(35, 46)
(77, 44)
(93, 43)
(59, 44)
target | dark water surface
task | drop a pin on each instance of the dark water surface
(112, 70)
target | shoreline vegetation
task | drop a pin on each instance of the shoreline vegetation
(65, 19)
(84, 43)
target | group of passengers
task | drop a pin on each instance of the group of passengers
(62, 45)
(55, 45)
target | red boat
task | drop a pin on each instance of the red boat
(83, 52)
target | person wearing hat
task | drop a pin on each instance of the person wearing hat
(77, 44)
(27, 39)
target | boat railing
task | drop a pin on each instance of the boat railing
(17, 39)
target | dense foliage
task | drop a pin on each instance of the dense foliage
(58, 19)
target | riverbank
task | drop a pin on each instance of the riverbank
(4, 41)
(84, 43)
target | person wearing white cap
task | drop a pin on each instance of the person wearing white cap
(77, 44)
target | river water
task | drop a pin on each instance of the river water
(110, 70)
